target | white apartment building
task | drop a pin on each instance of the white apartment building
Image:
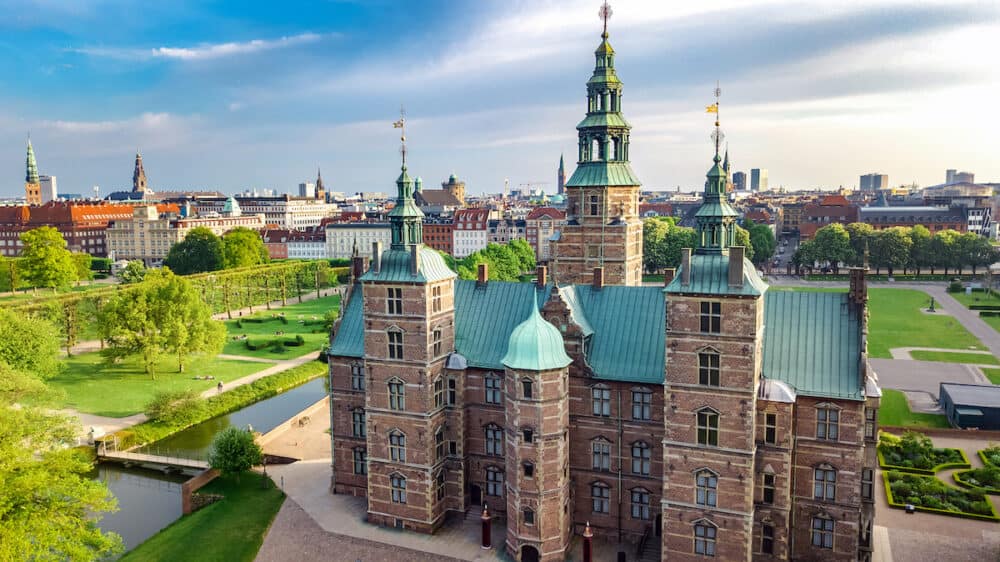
(307, 245)
(471, 232)
(341, 238)
(285, 211)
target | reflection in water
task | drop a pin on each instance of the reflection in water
(147, 501)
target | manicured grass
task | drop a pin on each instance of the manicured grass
(897, 320)
(895, 412)
(313, 333)
(92, 386)
(229, 530)
(949, 357)
(981, 297)
(992, 374)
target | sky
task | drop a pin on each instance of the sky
(230, 95)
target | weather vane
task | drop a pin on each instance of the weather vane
(605, 14)
(401, 124)
(717, 134)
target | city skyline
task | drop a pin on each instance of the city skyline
(816, 96)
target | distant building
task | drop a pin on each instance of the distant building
(829, 210)
(758, 179)
(541, 225)
(444, 201)
(740, 181)
(471, 231)
(343, 237)
(503, 231)
(48, 188)
(954, 176)
(647, 210)
(438, 234)
(276, 242)
(307, 189)
(873, 182)
(283, 211)
(82, 224)
(934, 218)
(307, 244)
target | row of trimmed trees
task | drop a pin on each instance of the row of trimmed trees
(898, 248)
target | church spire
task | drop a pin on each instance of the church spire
(139, 175)
(716, 217)
(31, 167)
(406, 220)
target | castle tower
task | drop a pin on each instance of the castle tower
(715, 311)
(412, 408)
(32, 186)
(561, 176)
(455, 187)
(139, 184)
(603, 227)
(536, 388)
(320, 188)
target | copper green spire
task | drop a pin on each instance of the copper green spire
(716, 217)
(406, 219)
(31, 173)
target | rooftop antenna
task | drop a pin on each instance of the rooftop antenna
(401, 124)
(605, 14)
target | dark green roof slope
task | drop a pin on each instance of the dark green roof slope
(812, 342)
(629, 331)
(710, 276)
(603, 120)
(485, 316)
(600, 174)
(349, 341)
(395, 267)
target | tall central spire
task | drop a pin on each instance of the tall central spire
(406, 219)
(716, 218)
(31, 167)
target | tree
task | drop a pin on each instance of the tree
(243, 247)
(654, 235)
(47, 499)
(133, 272)
(200, 251)
(943, 247)
(234, 451)
(743, 239)
(162, 314)
(524, 253)
(975, 251)
(832, 244)
(45, 260)
(920, 248)
(860, 234)
(83, 261)
(763, 242)
(890, 248)
(678, 238)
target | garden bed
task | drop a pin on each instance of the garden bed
(930, 495)
(914, 452)
(991, 456)
(986, 479)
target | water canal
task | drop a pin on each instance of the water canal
(149, 500)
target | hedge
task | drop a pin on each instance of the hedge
(984, 455)
(921, 453)
(926, 471)
(989, 313)
(961, 476)
(975, 496)
(221, 404)
(991, 307)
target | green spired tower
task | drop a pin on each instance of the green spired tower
(32, 187)
(716, 218)
(603, 228)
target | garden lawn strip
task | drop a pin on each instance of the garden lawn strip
(894, 411)
(897, 320)
(953, 357)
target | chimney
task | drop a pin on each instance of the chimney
(598, 278)
(357, 267)
(542, 276)
(858, 293)
(668, 275)
(483, 274)
(736, 266)
(376, 256)
(414, 260)
(685, 266)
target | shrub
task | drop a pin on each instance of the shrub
(915, 452)
(987, 478)
(931, 494)
(239, 323)
(175, 406)
(234, 451)
(955, 287)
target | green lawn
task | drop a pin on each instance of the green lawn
(229, 530)
(897, 320)
(980, 297)
(992, 374)
(948, 357)
(895, 412)
(258, 333)
(92, 386)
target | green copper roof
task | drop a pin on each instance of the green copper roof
(812, 343)
(31, 172)
(600, 174)
(349, 341)
(536, 345)
(710, 276)
(395, 267)
(719, 208)
(485, 316)
(603, 120)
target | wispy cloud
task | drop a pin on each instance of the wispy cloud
(146, 121)
(204, 51)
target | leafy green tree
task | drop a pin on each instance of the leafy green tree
(234, 451)
(654, 235)
(174, 407)
(468, 267)
(890, 248)
(10, 276)
(524, 253)
(47, 499)
(832, 244)
(944, 248)
(243, 247)
(83, 261)
(45, 260)
(200, 251)
(763, 242)
(921, 253)
(860, 234)
(678, 238)
(133, 272)
(743, 239)
(975, 251)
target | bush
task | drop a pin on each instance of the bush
(175, 406)
(987, 479)
(234, 451)
(956, 287)
(914, 452)
(991, 455)
(930, 494)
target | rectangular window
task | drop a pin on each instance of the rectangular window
(440, 485)
(394, 300)
(640, 504)
(438, 393)
(529, 470)
(452, 391)
(397, 395)
(526, 389)
(601, 455)
(641, 456)
(398, 489)
(358, 423)
(360, 462)
(601, 398)
(767, 539)
(601, 498)
(704, 540)
(492, 389)
(357, 377)
(867, 484)
(529, 517)
(707, 486)
(395, 345)
(494, 482)
(436, 299)
(528, 435)
(397, 447)
(822, 532)
(595, 205)
(871, 422)
(436, 342)
(494, 441)
(825, 484)
(711, 317)
(827, 423)
(768, 489)
(770, 428)
(440, 446)
(642, 405)
(708, 428)
(708, 369)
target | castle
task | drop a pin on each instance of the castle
(710, 417)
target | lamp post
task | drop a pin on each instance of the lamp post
(487, 530)
(588, 537)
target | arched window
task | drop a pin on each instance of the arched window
(601, 449)
(595, 150)
(493, 388)
(707, 488)
(398, 483)
(708, 367)
(708, 427)
(494, 440)
(600, 395)
(825, 483)
(600, 494)
(397, 446)
(358, 422)
(397, 394)
(822, 531)
(640, 503)
(641, 456)
(704, 537)
(494, 481)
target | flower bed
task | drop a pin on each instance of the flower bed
(928, 494)
(914, 452)
(991, 456)
(986, 479)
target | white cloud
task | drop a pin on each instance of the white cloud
(145, 121)
(204, 51)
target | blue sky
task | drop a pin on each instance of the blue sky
(230, 95)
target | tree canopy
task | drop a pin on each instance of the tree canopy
(45, 261)
(243, 247)
(506, 262)
(200, 251)
(662, 242)
(47, 499)
(762, 241)
(133, 272)
(234, 451)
